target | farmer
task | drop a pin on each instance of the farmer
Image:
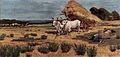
(96, 38)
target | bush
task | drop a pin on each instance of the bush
(92, 52)
(43, 50)
(11, 35)
(80, 49)
(26, 48)
(112, 48)
(9, 51)
(65, 47)
(43, 37)
(53, 47)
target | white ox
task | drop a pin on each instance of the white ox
(66, 25)
(59, 27)
(69, 25)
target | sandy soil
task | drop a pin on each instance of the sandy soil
(102, 51)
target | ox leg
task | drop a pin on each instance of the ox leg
(78, 29)
(62, 31)
(59, 32)
(69, 29)
(68, 33)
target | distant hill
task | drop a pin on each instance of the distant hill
(8, 21)
(38, 21)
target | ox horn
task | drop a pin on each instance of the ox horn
(61, 17)
(52, 18)
(57, 19)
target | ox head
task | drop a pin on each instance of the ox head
(64, 22)
(55, 21)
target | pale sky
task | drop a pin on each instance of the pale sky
(44, 9)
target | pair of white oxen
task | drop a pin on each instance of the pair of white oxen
(66, 26)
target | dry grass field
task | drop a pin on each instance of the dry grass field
(102, 51)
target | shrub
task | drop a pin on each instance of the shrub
(9, 51)
(80, 49)
(112, 48)
(43, 50)
(92, 52)
(26, 48)
(65, 47)
(53, 47)
(43, 37)
(11, 35)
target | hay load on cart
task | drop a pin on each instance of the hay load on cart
(73, 10)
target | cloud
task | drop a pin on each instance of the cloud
(29, 9)
(40, 9)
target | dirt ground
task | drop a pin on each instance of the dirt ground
(102, 51)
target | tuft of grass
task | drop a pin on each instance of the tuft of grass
(112, 48)
(24, 39)
(53, 47)
(47, 26)
(2, 36)
(92, 52)
(26, 36)
(9, 51)
(43, 37)
(114, 36)
(80, 49)
(118, 47)
(11, 35)
(65, 47)
(117, 37)
(28, 54)
(33, 34)
(32, 44)
(27, 48)
(30, 34)
(43, 50)
(115, 25)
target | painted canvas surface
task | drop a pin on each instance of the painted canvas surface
(59, 28)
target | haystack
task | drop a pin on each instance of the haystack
(74, 10)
